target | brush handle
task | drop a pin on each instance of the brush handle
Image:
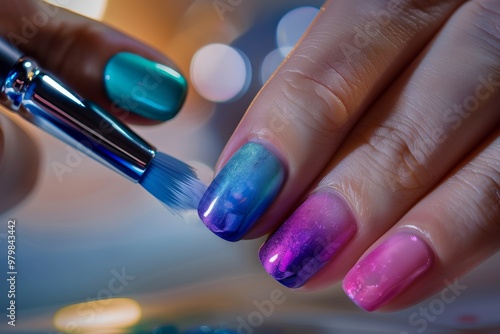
(8, 58)
(41, 99)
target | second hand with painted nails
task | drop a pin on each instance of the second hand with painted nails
(242, 191)
(40, 98)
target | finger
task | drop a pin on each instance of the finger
(303, 113)
(97, 61)
(443, 237)
(411, 138)
(19, 161)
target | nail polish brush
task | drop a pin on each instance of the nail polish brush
(43, 100)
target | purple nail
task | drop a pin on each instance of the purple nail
(311, 237)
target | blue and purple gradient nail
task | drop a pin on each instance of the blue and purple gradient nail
(242, 191)
(311, 237)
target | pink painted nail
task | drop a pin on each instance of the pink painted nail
(387, 270)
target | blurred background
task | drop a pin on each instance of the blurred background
(96, 254)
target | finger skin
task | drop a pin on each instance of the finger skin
(2, 144)
(73, 47)
(414, 136)
(459, 222)
(316, 96)
(19, 164)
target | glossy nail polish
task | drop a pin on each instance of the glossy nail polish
(144, 87)
(311, 237)
(387, 270)
(242, 191)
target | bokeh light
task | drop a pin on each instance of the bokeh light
(292, 26)
(98, 316)
(270, 64)
(220, 73)
(91, 8)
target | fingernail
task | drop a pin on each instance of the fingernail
(311, 237)
(144, 87)
(387, 270)
(242, 191)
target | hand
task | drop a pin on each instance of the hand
(98, 62)
(373, 153)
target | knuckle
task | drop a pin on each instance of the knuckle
(413, 15)
(320, 106)
(480, 182)
(400, 153)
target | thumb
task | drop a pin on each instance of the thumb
(19, 164)
(100, 63)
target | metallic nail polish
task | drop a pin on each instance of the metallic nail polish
(144, 87)
(242, 191)
(311, 237)
(388, 270)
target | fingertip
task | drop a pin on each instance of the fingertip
(149, 89)
(242, 191)
(388, 270)
(106, 66)
(2, 143)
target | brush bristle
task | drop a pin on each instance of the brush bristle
(173, 182)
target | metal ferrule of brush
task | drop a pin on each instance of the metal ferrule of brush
(45, 102)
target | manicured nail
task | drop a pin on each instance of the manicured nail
(242, 191)
(387, 270)
(311, 237)
(146, 88)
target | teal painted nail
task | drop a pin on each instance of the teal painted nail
(242, 191)
(146, 88)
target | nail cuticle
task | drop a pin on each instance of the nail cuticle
(275, 150)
